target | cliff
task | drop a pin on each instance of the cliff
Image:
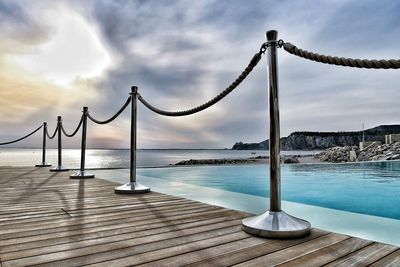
(322, 140)
(251, 146)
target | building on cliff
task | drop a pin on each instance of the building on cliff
(391, 138)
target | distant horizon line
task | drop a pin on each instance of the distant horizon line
(125, 148)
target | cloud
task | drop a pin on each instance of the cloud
(42, 75)
(72, 50)
(182, 53)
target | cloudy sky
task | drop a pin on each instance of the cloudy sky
(57, 56)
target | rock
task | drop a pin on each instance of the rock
(337, 154)
(372, 152)
(217, 161)
(291, 160)
(260, 157)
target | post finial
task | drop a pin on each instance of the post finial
(272, 35)
(134, 89)
(59, 118)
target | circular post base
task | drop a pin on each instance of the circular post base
(132, 188)
(81, 175)
(59, 169)
(43, 164)
(278, 225)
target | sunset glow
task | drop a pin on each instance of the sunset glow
(73, 49)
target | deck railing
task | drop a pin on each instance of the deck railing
(274, 223)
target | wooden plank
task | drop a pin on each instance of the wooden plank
(122, 207)
(68, 221)
(21, 222)
(128, 235)
(391, 260)
(206, 253)
(364, 256)
(59, 237)
(69, 207)
(123, 229)
(29, 215)
(76, 204)
(301, 249)
(73, 257)
(87, 223)
(173, 250)
(251, 252)
(328, 254)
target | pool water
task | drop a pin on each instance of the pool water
(371, 188)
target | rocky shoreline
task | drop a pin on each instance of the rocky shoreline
(252, 160)
(338, 154)
(373, 152)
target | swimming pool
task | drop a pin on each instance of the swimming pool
(371, 188)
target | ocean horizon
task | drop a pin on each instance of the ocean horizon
(119, 158)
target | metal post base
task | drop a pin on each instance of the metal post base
(278, 225)
(81, 175)
(59, 169)
(43, 164)
(132, 188)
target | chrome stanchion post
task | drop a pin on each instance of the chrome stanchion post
(59, 167)
(133, 187)
(44, 163)
(275, 223)
(82, 173)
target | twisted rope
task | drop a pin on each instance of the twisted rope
(54, 134)
(22, 138)
(341, 61)
(253, 62)
(76, 130)
(113, 117)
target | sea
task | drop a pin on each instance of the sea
(119, 158)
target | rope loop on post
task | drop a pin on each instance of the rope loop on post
(267, 44)
(53, 135)
(22, 138)
(128, 101)
(76, 130)
(253, 62)
(341, 61)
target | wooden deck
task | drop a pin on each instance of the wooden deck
(48, 219)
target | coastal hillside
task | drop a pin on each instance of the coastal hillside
(322, 140)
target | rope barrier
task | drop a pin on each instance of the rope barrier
(76, 130)
(113, 117)
(54, 134)
(253, 62)
(22, 138)
(290, 48)
(341, 61)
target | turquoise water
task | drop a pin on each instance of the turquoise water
(370, 188)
